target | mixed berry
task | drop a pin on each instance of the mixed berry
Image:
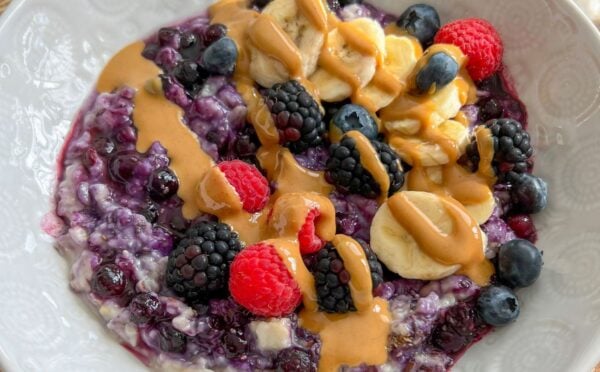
(191, 288)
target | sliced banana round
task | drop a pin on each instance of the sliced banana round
(352, 62)
(308, 39)
(429, 154)
(481, 211)
(397, 249)
(410, 112)
(403, 52)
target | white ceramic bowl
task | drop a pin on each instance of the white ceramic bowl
(50, 54)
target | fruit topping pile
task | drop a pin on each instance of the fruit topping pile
(371, 170)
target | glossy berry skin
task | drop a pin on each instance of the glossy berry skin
(421, 21)
(220, 57)
(498, 305)
(163, 184)
(144, 308)
(122, 165)
(439, 70)
(170, 339)
(519, 263)
(186, 72)
(530, 193)
(308, 240)
(213, 33)
(353, 117)
(109, 281)
(294, 360)
(523, 226)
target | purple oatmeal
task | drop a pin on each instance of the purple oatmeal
(298, 213)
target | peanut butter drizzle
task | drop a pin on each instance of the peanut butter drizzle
(158, 120)
(357, 265)
(370, 161)
(266, 35)
(290, 176)
(315, 12)
(353, 338)
(290, 211)
(463, 246)
(357, 337)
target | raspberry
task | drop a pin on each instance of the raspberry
(307, 237)
(479, 41)
(260, 282)
(251, 186)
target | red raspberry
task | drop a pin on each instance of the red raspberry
(251, 186)
(307, 236)
(479, 41)
(260, 282)
(523, 226)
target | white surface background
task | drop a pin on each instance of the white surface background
(50, 53)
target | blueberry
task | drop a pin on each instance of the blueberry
(294, 360)
(170, 339)
(144, 308)
(123, 164)
(109, 281)
(421, 21)
(498, 305)
(169, 37)
(530, 193)
(353, 117)
(234, 343)
(220, 56)
(151, 212)
(163, 184)
(519, 263)
(151, 51)
(186, 72)
(439, 70)
(213, 33)
(105, 146)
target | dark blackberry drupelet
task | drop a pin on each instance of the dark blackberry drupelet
(199, 265)
(296, 115)
(345, 171)
(512, 149)
(332, 279)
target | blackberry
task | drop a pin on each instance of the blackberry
(332, 279)
(345, 171)
(199, 265)
(512, 149)
(296, 115)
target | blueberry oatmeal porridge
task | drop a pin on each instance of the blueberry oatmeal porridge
(294, 185)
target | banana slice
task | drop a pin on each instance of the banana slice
(428, 153)
(308, 40)
(407, 113)
(352, 62)
(397, 249)
(481, 212)
(403, 52)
